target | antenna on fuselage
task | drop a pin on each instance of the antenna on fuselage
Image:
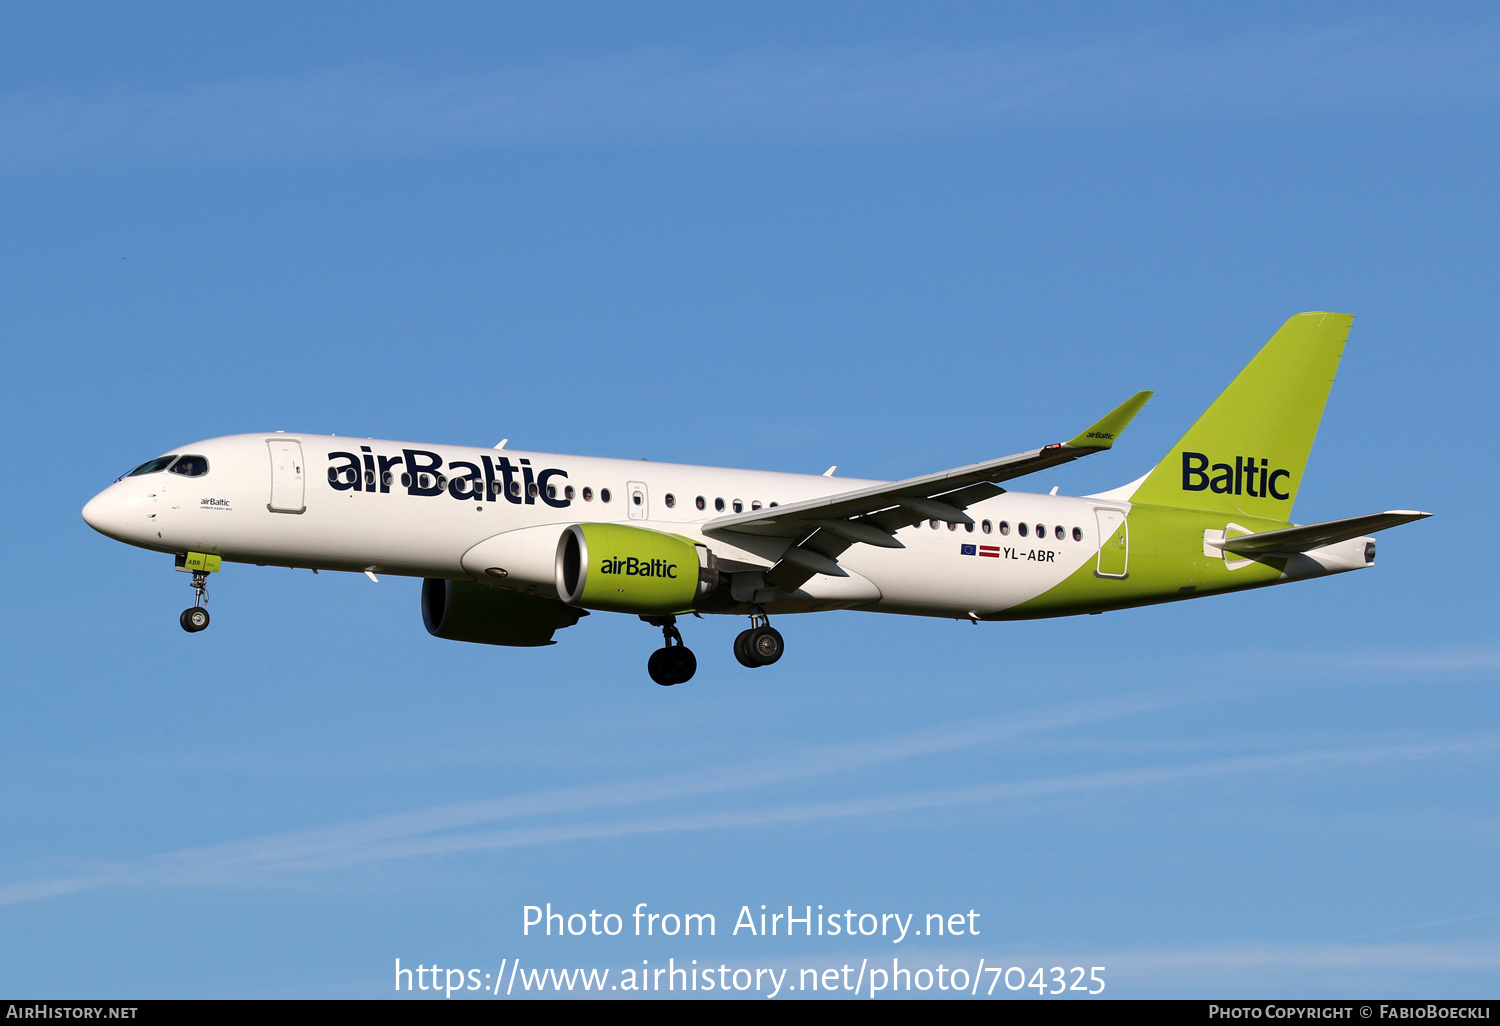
(502, 443)
(830, 470)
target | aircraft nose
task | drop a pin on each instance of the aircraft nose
(105, 513)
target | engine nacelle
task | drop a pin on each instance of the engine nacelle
(623, 569)
(464, 611)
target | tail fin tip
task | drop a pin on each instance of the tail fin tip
(1247, 452)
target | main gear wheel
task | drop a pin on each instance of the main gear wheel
(759, 646)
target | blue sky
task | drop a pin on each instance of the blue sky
(888, 238)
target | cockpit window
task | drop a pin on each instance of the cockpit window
(158, 464)
(191, 466)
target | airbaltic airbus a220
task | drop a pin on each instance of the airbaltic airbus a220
(513, 546)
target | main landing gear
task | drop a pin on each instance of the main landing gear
(674, 662)
(761, 645)
(195, 619)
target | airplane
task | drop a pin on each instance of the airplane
(514, 546)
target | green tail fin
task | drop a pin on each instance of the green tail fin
(1247, 452)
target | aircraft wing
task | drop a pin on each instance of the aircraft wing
(822, 528)
(1290, 540)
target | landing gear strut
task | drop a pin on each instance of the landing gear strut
(195, 619)
(674, 662)
(761, 645)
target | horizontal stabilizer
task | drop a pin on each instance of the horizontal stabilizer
(1312, 536)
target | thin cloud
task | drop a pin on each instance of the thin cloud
(417, 835)
(1448, 661)
(1427, 925)
(1311, 958)
(808, 94)
(1291, 971)
(888, 804)
(332, 844)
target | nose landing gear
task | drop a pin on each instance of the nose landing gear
(195, 619)
(200, 565)
(762, 644)
(674, 662)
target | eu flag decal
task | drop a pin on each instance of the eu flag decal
(966, 550)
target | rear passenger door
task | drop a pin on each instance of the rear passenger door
(1114, 543)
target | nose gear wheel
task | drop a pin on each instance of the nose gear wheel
(195, 619)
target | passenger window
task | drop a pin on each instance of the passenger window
(952, 526)
(670, 500)
(932, 524)
(1078, 534)
(588, 494)
(531, 489)
(1005, 527)
(755, 504)
(700, 502)
(191, 466)
(969, 528)
(739, 507)
(515, 486)
(775, 504)
(985, 526)
(719, 505)
(160, 463)
(1021, 530)
(636, 497)
(604, 495)
(1041, 530)
(568, 493)
(1058, 532)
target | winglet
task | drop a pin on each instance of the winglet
(1102, 435)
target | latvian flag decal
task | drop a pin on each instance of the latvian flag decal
(980, 550)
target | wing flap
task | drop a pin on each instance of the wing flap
(956, 488)
(820, 529)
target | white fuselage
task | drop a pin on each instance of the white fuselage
(293, 500)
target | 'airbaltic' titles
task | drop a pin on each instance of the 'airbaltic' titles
(1244, 478)
(419, 472)
(632, 567)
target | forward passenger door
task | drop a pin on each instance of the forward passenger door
(288, 480)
